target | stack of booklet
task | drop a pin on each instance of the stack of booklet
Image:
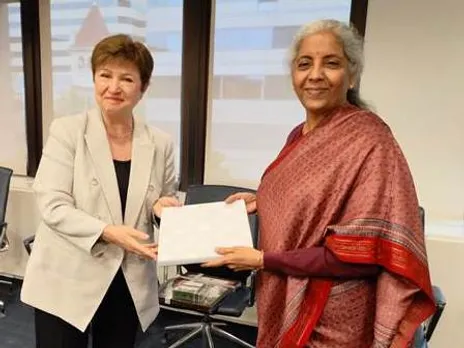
(216, 224)
(196, 291)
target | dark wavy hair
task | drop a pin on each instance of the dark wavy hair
(123, 47)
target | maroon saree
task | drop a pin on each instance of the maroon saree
(345, 185)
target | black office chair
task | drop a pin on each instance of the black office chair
(5, 178)
(233, 304)
(424, 332)
(28, 243)
(431, 323)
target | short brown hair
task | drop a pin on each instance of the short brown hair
(123, 47)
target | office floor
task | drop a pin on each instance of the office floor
(17, 328)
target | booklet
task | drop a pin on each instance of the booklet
(196, 291)
(190, 234)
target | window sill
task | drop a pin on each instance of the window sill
(449, 230)
(21, 183)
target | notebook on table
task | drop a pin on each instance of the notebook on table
(196, 291)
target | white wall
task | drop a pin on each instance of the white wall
(414, 75)
(23, 218)
(414, 78)
(446, 260)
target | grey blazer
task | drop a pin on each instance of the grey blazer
(70, 269)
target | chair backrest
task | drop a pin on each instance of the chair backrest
(429, 325)
(5, 177)
(213, 193)
(422, 217)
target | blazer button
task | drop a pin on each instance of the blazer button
(94, 182)
(151, 187)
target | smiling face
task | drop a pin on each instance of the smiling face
(320, 74)
(118, 87)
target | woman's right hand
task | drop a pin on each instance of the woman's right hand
(248, 197)
(130, 240)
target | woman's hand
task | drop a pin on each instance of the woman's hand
(238, 259)
(166, 201)
(248, 197)
(130, 240)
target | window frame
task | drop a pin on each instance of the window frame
(30, 32)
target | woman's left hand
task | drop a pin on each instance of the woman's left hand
(238, 258)
(165, 201)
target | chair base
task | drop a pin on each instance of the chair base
(206, 328)
(2, 303)
(2, 310)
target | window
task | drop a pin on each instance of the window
(277, 87)
(253, 105)
(241, 87)
(124, 3)
(13, 145)
(153, 22)
(164, 3)
(282, 36)
(243, 39)
(165, 41)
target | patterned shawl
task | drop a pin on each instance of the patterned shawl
(345, 185)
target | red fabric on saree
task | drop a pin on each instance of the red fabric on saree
(347, 170)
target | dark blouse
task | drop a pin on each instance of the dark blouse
(122, 169)
(317, 261)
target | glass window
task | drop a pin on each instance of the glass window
(102, 3)
(241, 87)
(277, 87)
(282, 36)
(13, 145)
(165, 41)
(74, 38)
(165, 3)
(243, 39)
(253, 105)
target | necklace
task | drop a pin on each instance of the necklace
(122, 135)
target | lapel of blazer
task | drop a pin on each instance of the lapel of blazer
(100, 152)
(143, 150)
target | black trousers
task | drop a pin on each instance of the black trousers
(114, 325)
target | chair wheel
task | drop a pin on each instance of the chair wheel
(164, 339)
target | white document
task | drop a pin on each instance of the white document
(189, 234)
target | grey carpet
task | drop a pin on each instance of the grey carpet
(17, 328)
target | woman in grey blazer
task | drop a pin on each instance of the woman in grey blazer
(102, 176)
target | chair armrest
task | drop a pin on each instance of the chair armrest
(28, 243)
(3, 226)
(4, 243)
(431, 323)
(252, 287)
(439, 296)
(419, 338)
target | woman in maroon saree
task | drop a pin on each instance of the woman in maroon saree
(342, 256)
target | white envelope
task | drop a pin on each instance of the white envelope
(189, 234)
